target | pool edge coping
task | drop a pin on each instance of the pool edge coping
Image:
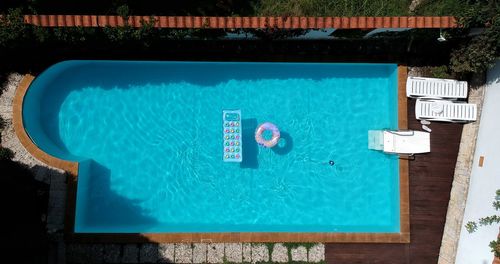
(71, 168)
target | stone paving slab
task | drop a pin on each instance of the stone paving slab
(260, 253)
(280, 253)
(246, 252)
(55, 219)
(199, 253)
(96, 253)
(299, 253)
(130, 253)
(85, 253)
(317, 253)
(76, 254)
(194, 253)
(57, 198)
(166, 253)
(148, 253)
(112, 253)
(234, 252)
(183, 253)
(45, 174)
(215, 253)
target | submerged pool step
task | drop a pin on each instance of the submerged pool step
(232, 149)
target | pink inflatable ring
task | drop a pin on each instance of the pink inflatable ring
(274, 139)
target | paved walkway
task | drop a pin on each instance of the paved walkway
(196, 253)
(485, 180)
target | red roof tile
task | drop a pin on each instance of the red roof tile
(35, 20)
(295, 22)
(52, 21)
(353, 22)
(412, 22)
(336, 22)
(420, 22)
(403, 22)
(370, 22)
(245, 22)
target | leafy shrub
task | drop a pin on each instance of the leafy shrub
(12, 27)
(118, 34)
(479, 54)
(276, 33)
(71, 35)
(495, 247)
(41, 34)
(123, 11)
(144, 34)
(2, 124)
(478, 13)
(6, 154)
(440, 72)
(472, 226)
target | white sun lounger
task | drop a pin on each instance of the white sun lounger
(420, 87)
(444, 110)
(407, 142)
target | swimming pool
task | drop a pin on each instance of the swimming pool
(148, 138)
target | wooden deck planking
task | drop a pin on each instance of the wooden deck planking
(431, 176)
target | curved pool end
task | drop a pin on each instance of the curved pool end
(71, 167)
(28, 144)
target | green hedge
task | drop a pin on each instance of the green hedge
(479, 53)
(476, 54)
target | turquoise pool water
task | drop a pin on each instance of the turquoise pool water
(148, 136)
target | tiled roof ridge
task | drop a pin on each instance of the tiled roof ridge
(280, 22)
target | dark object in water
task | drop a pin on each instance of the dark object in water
(331, 162)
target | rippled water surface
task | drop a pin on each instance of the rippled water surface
(151, 138)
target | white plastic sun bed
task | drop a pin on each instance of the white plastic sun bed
(407, 142)
(446, 111)
(420, 87)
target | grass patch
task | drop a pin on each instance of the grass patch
(270, 248)
(291, 245)
(441, 72)
(294, 245)
(332, 8)
(441, 7)
(438, 72)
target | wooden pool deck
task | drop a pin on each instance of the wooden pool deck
(431, 176)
